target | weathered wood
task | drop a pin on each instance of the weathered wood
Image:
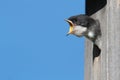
(88, 61)
(107, 66)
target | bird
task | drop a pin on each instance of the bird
(83, 25)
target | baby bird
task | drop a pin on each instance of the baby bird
(83, 25)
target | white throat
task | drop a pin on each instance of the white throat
(79, 30)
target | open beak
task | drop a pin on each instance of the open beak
(71, 27)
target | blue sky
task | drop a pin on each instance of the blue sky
(33, 42)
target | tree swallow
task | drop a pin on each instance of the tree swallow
(83, 25)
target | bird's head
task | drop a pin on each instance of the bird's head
(78, 25)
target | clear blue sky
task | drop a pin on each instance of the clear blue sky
(33, 42)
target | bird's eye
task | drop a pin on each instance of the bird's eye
(75, 20)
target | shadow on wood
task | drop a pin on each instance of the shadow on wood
(92, 6)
